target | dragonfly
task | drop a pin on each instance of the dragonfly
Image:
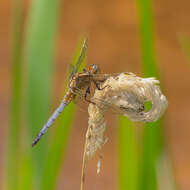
(78, 82)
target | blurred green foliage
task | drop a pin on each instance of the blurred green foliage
(38, 167)
(127, 154)
(56, 149)
(16, 97)
(152, 132)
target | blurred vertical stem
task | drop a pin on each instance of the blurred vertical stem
(15, 114)
(128, 157)
(152, 133)
(40, 46)
(146, 28)
(56, 151)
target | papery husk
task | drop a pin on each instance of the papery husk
(126, 94)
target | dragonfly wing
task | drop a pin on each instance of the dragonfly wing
(80, 58)
(49, 122)
(100, 102)
(112, 107)
(70, 70)
(102, 76)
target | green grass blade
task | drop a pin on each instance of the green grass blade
(146, 27)
(16, 85)
(26, 179)
(128, 157)
(151, 152)
(40, 46)
(57, 148)
(152, 133)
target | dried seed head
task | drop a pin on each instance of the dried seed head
(129, 93)
(126, 94)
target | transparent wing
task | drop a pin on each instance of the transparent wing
(101, 77)
(70, 70)
(113, 108)
(81, 57)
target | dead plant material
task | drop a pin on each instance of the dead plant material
(125, 94)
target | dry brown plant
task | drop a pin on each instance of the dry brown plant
(125, 94)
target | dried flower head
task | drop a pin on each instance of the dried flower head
(126, 94)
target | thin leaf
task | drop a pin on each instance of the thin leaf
(40, 46)
(146, 27)
(15, 114)
(152, 133)
(56, 152)
(128, 157)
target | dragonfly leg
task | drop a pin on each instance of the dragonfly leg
(85, 96)
(103, 80)
(98, 85)
(87, 92)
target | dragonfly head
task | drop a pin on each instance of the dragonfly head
(94, 69)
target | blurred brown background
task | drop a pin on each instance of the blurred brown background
(114, 45)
